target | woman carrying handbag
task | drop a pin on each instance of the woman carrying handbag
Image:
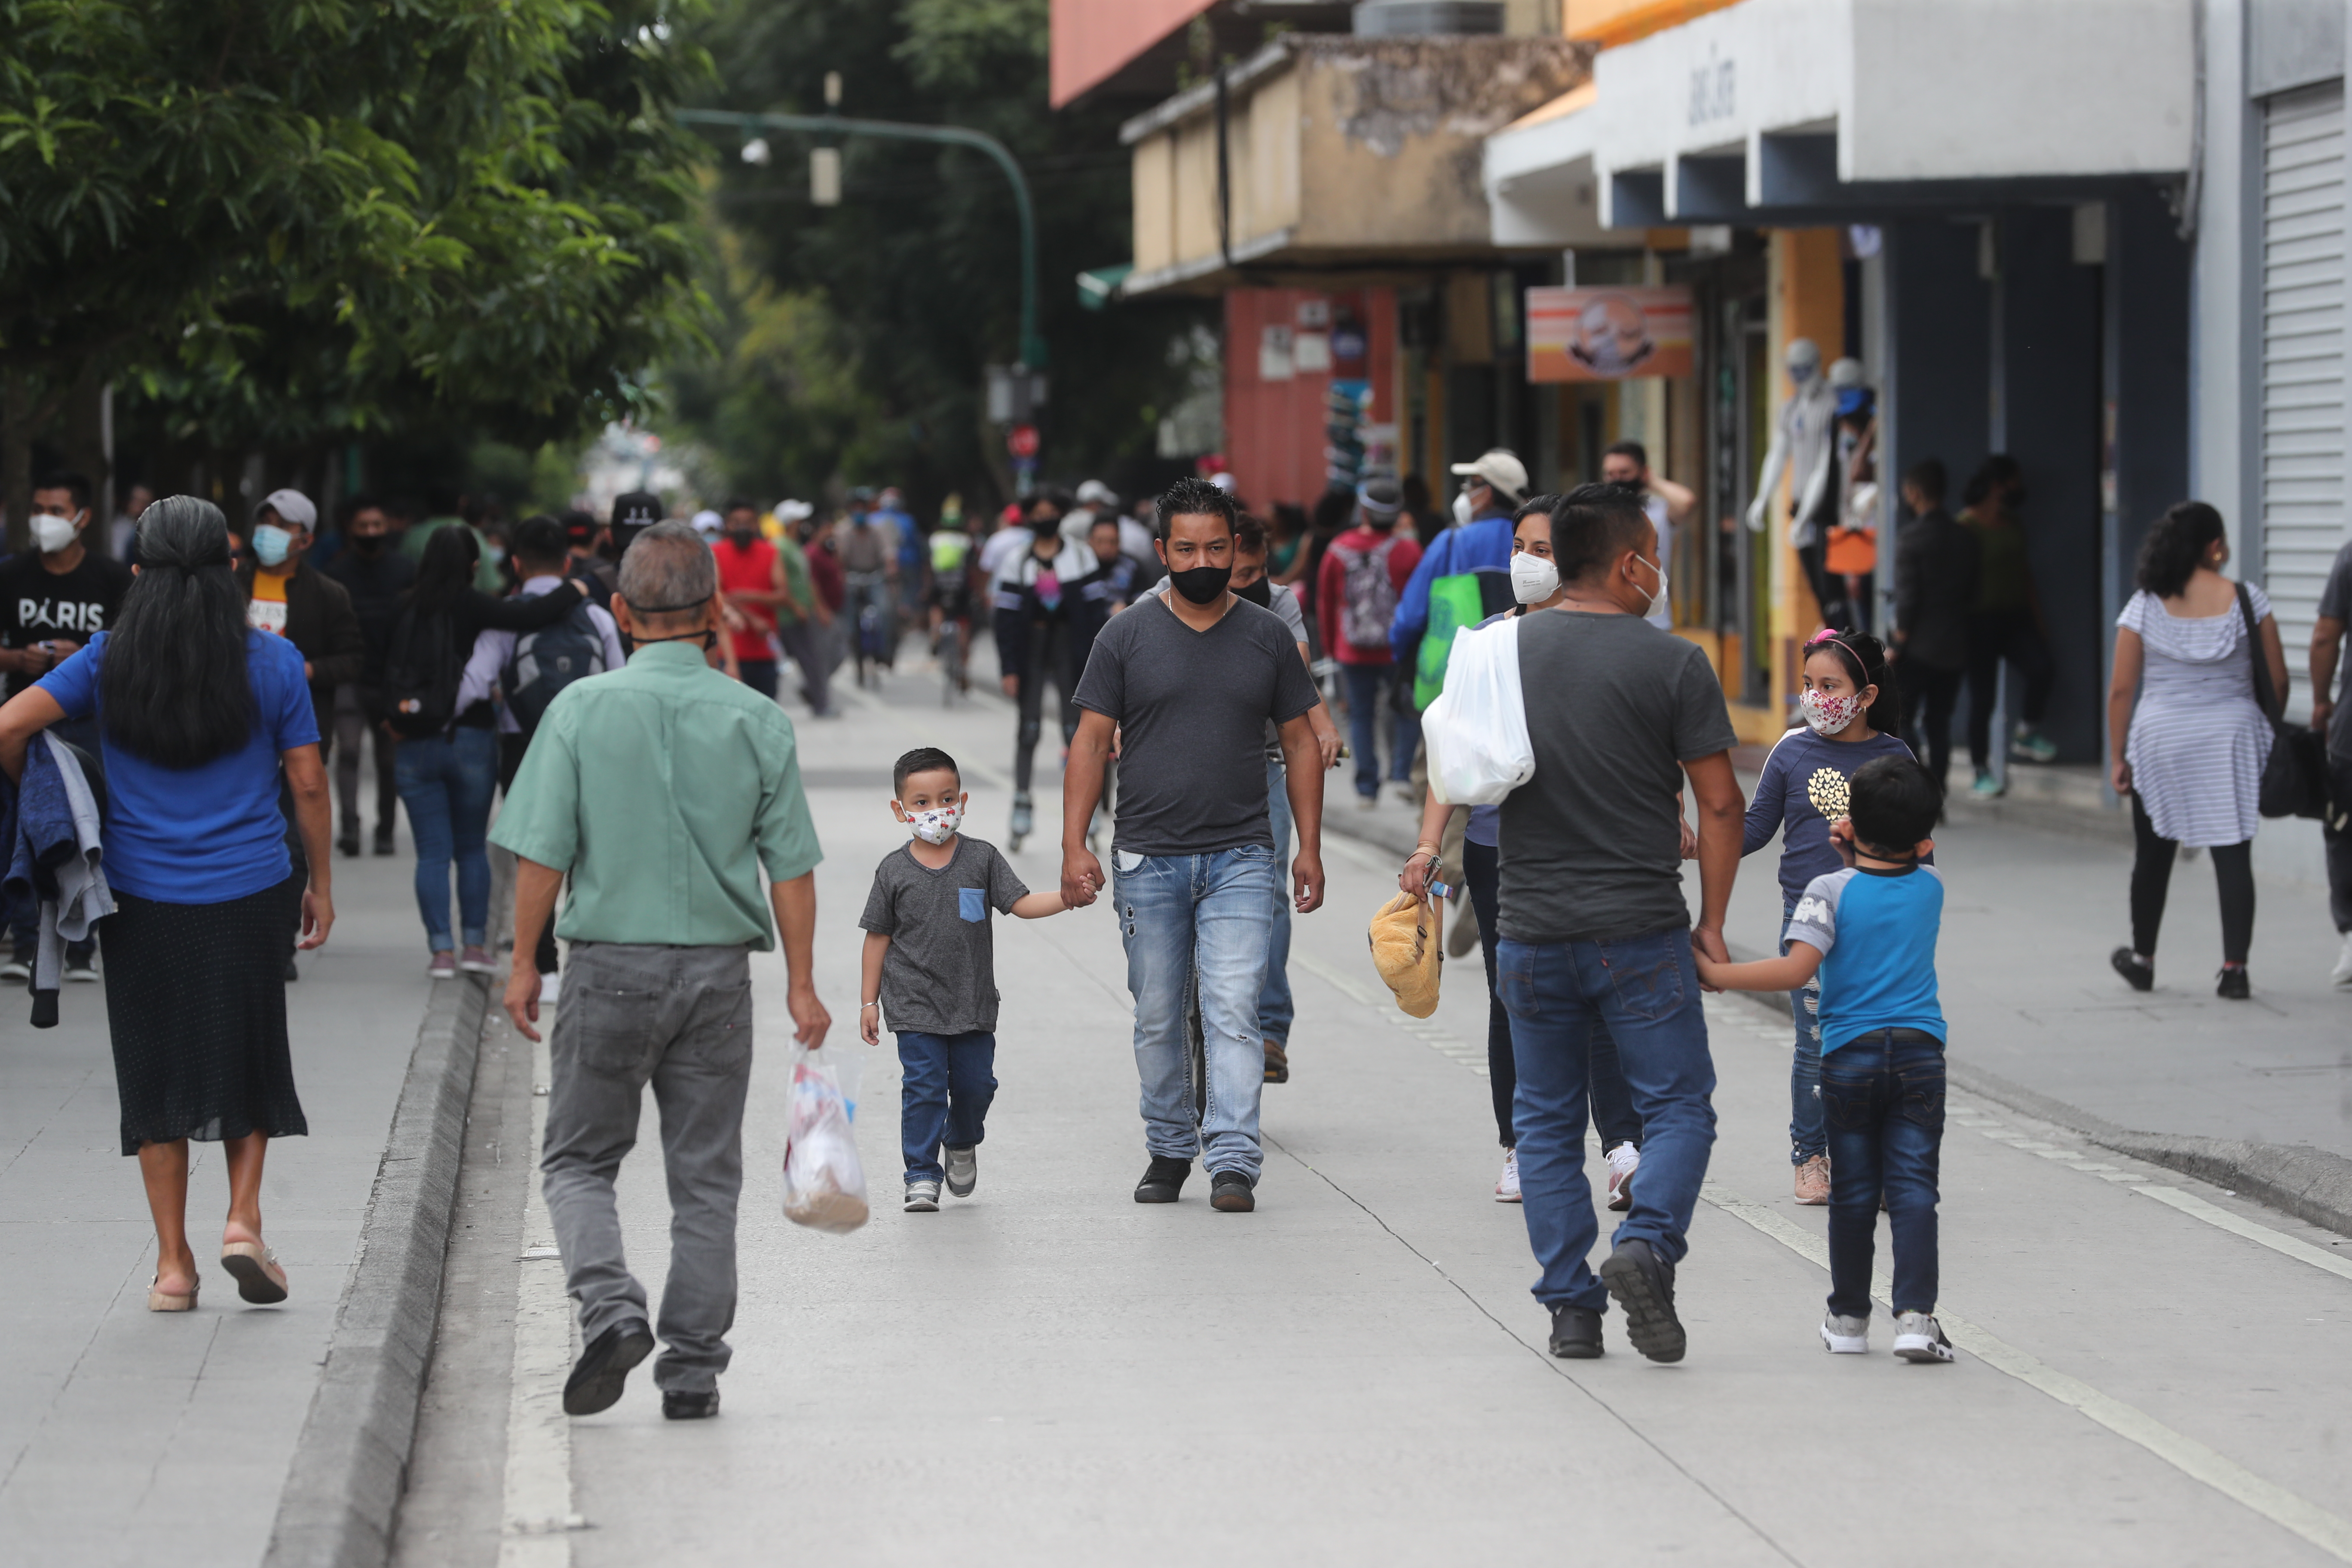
(2191, 755)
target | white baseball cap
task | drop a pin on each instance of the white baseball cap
(1094, 493)
(708, 522)
(291, 505)
(1500, 468)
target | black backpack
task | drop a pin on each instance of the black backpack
(421, 672)
(545, 662)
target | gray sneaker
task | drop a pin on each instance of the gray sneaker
(1846, 1336)
(964, 1171)
(922, 1196)
(1919, 1338)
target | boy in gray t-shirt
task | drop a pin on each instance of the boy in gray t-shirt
(930, 964)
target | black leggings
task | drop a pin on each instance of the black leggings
(1050, 650)
(2233, 868)
(1611, 1101)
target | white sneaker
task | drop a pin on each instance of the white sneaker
(1507, 1187)
(2342, 973)
(1918, 1337)
(15, 968)
(1847, 1336)
(1624, 1161)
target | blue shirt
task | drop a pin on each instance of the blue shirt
(1804, 789)
(202, 834)
(1876, 932)
(1483, 545)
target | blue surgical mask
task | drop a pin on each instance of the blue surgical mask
(497, 553)
(269, 544)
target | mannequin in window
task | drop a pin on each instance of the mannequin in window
(1803, 448)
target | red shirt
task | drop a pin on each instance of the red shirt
(825, 574)
(753, 568)
(1331, 590)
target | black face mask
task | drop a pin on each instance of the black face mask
(1201, 585)
(1260, 592)
(368, 544)
(2017, 499)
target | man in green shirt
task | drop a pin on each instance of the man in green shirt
(663, 788)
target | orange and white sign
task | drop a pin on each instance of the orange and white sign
(1607, 334)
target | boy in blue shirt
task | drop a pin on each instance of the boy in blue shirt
(1870, 929)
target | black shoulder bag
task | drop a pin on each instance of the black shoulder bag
(2294, 777)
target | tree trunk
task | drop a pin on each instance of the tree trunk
(16, 456)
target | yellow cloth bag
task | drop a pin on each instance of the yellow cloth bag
(1405, 951)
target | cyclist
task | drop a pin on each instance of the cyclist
(870, 564)
(1049, 603)
(953, 555)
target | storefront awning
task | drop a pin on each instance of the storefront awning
(1784, 112)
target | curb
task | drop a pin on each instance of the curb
(343, 1492)
(2312, 1185)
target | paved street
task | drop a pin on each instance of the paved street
(1353, 1374)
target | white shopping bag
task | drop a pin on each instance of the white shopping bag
(1477, 731)
(825, 1185)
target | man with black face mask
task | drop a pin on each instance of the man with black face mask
(375, 574)
(1251, 585)
(1190, 680)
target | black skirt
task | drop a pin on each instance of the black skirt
(195, 998)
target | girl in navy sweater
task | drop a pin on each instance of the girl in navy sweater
(1851, 710)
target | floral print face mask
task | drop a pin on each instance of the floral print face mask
(1828, 715)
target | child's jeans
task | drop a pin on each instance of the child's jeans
(1883, 1100)
(949, 1082)
(1805, 1136)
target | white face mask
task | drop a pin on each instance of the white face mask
(1533, 578)
(1463, 510)
(1827, 715)
(51, 532)
(936, 825)
(1658, 600)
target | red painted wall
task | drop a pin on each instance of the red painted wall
(1092, 38)
(1274, 429)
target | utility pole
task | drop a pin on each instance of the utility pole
(1033, 344)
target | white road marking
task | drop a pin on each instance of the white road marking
(538, 1517)
(2261, 1234)
(2274, 1502)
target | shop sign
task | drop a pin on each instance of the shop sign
(1607, 334)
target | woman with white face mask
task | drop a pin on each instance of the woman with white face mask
(1535, 584)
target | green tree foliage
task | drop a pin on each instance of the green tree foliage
(906, 291)
(286, 217)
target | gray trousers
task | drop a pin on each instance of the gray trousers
(678, 1018)
(808, 643)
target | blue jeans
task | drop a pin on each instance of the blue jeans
(1883, 1097)
(1366, 683)
(949, 1080)
(1204, 916)
(1275, 1009)
(1644, 989)
(446, 781)
(1806, 1137)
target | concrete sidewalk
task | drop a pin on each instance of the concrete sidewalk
(1047, 1372)
(133, 1437)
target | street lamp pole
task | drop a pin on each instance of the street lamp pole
(1033, 345)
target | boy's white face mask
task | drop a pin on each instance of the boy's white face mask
(937, 824)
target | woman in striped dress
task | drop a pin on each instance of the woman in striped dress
(2191, 755)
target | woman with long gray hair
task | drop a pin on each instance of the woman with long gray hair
(196, 715)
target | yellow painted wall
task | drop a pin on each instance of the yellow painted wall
(1155, 204)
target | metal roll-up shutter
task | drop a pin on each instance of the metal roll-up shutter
(2303, 436)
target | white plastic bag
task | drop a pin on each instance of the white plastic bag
(825, 1185)
(1477, 731)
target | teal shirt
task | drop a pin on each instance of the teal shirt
(663, 787)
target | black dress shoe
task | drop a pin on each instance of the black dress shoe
(678, 1404)
(383, 844)
(1162, 1181)
(1229, 1190)
(1575, 1332)
(348, 846)
(603, 1367)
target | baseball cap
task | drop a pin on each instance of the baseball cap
(580, 528)
(634, 512)
(293, 506)
(708, 522)
(1380, 498)
(1094, 493)
(1501, 469)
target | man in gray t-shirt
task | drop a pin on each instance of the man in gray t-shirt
(1592, 926)
(1188, 683)
(2333, 714)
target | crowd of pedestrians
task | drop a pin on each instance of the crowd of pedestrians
(619, 682)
